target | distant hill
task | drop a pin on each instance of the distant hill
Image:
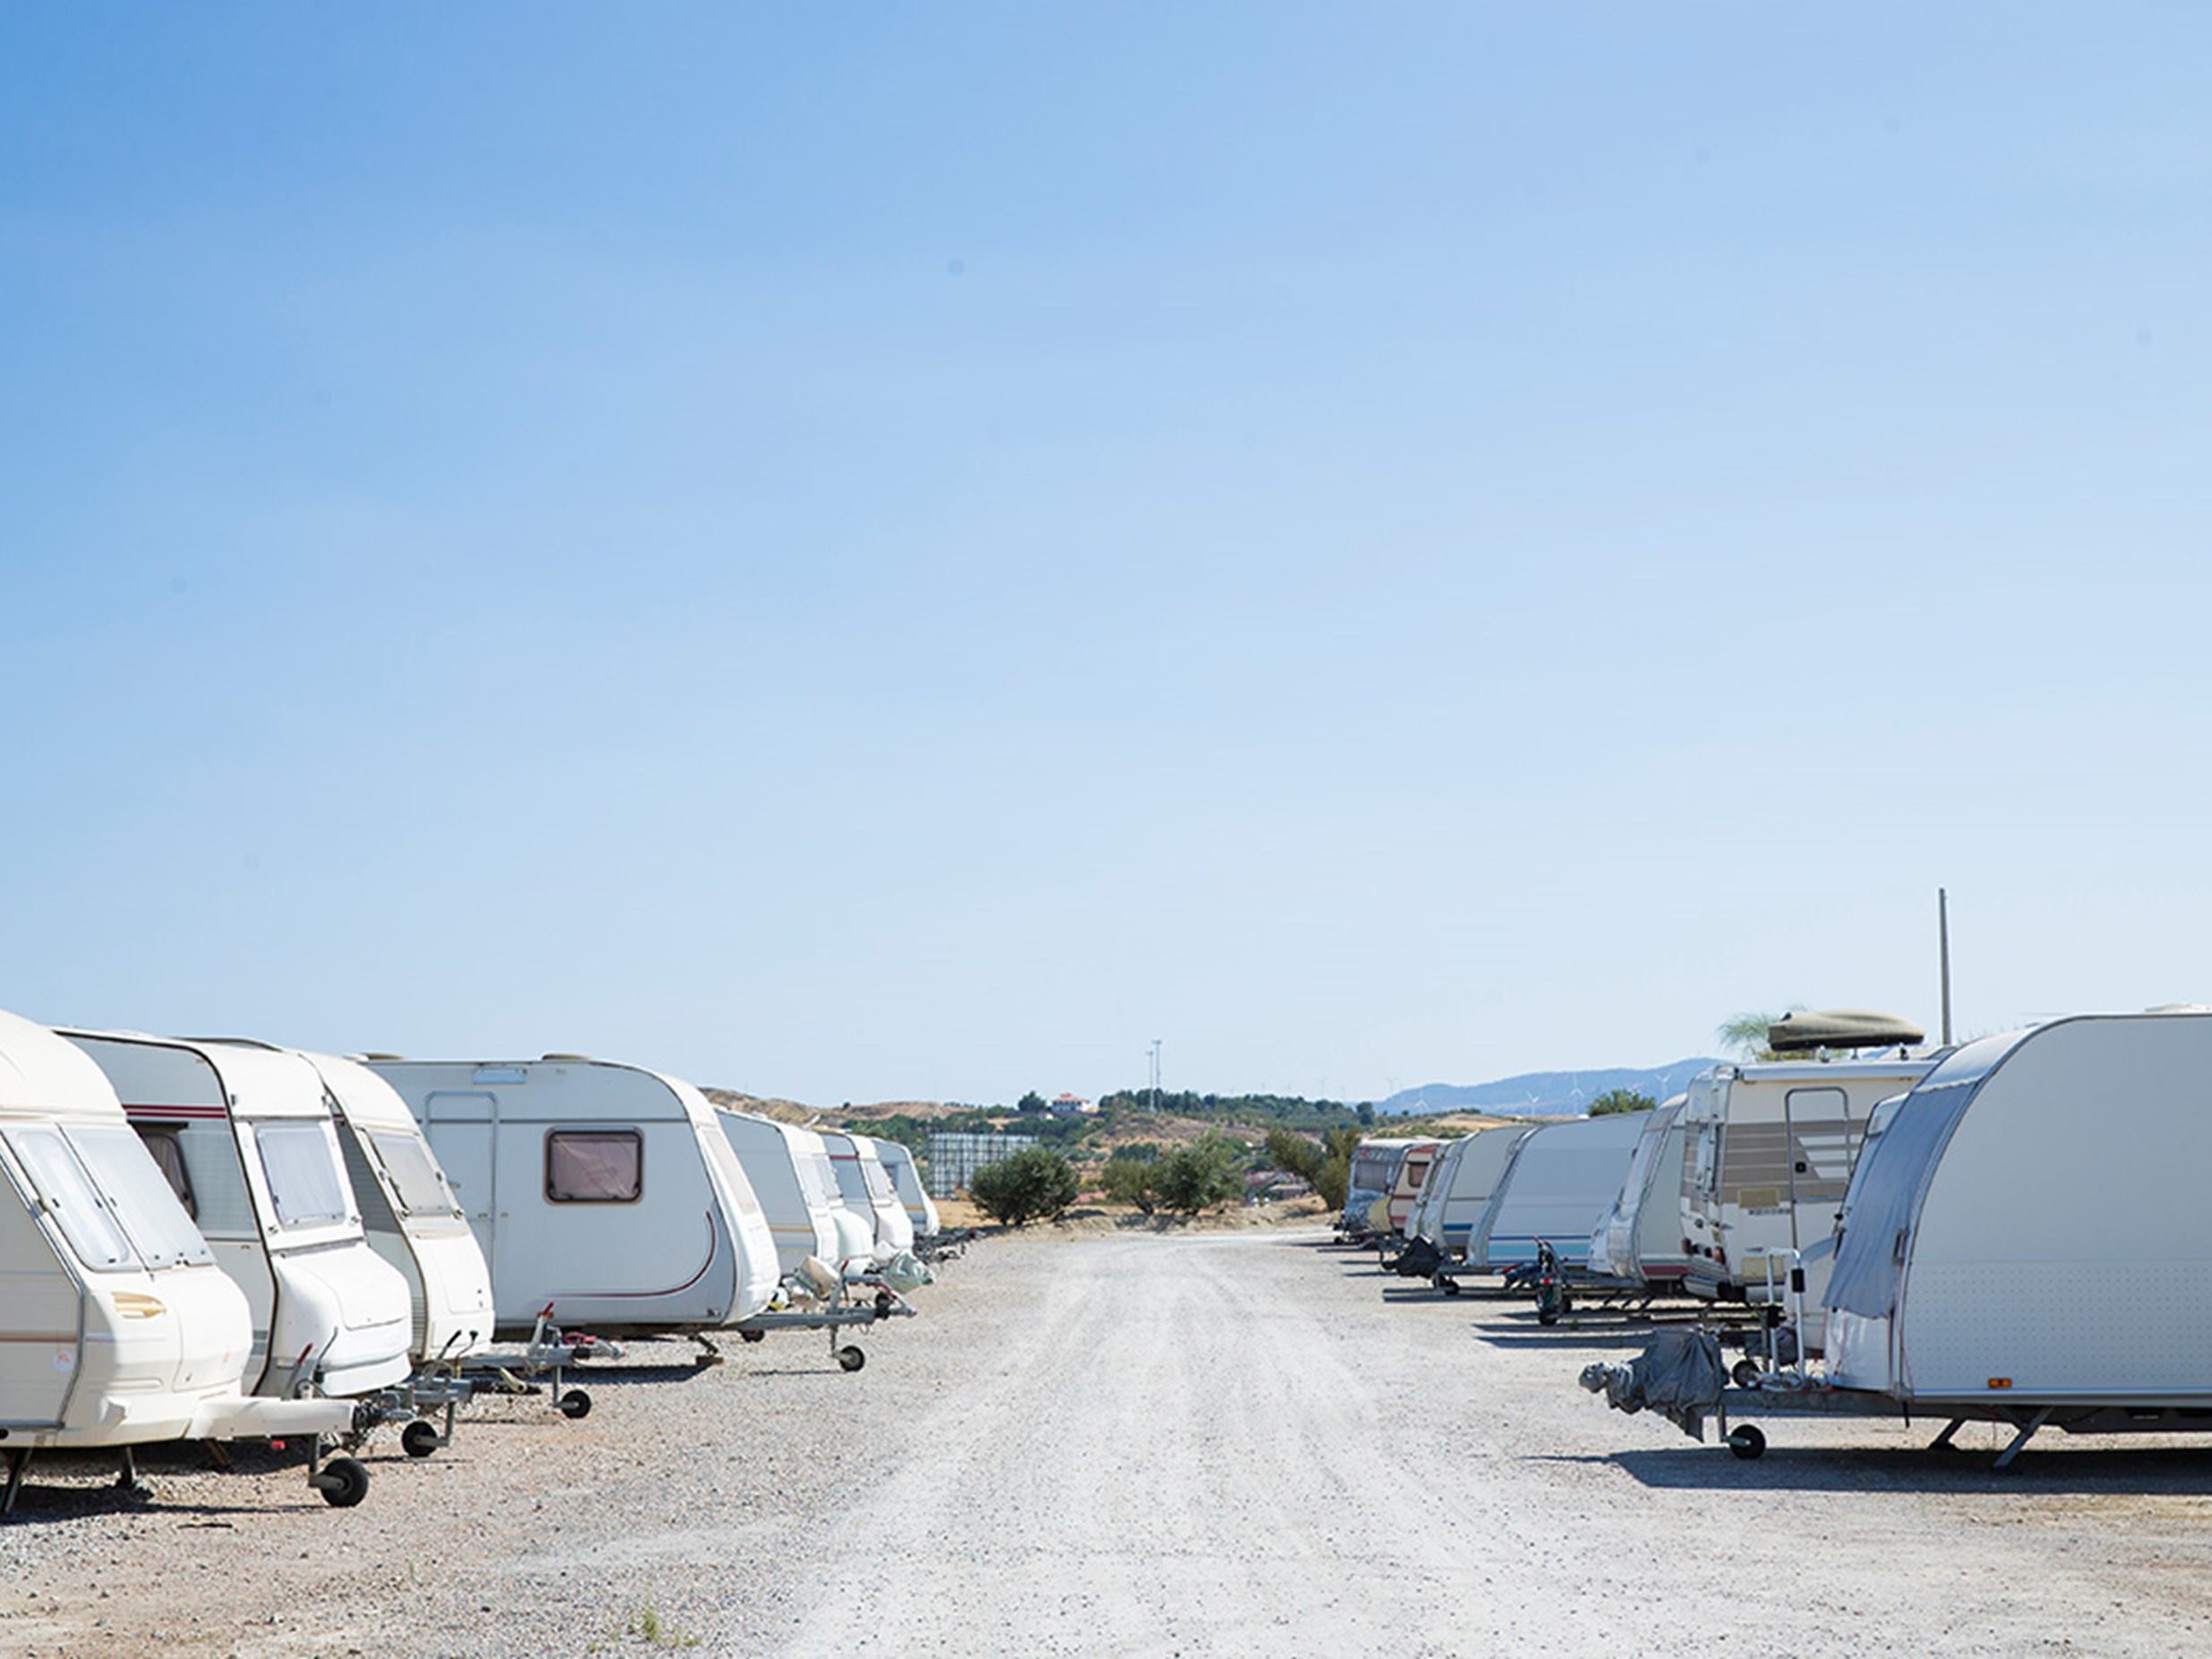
(1544, 1094)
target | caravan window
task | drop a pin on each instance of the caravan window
(168, 1154)
(409, 1164)
(140, 1195)
(68, 1195)
(595, 1165)
(306, 1181)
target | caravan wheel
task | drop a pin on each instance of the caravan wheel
(419, 1438)
(343, 1482)
(850, 1358)
(1748, 1442)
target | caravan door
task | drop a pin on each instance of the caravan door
(461, 1130)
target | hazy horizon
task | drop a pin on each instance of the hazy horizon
(884, 554)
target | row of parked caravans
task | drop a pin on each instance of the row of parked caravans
(225, 1240)
(2005, 1231)
(1706, 1194)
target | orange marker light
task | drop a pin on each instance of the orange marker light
(2000, 1382)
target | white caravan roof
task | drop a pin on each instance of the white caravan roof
(45, 1076)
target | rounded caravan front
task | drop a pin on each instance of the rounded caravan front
(2026, 1229)
(117, 1327)
(1405, 1185)
(775, 1157)
(898, 1162)
(1457, 1202)
(1560, 1180)
(1374, 1168)
(1638, 1240)
(413, 1219)
(867, 1188)
(606, 1193)
(1422, 1222)
(246, 1140)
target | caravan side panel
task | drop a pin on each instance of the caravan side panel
(2061, 1244)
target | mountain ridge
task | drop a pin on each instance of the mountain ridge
(1544, 1093)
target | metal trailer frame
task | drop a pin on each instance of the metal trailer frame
(838, 1315)
(1783, 1395)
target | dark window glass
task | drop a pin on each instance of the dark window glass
(595, 1165)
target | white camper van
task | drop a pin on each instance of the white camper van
(1559, 1181)
(802, 1218)
(867, 1187)
(1457, 1202)
(413, 1219)
(1769, 1154)
(1639, 1240)
(117, 1327)
(246, 1139)
(898, 1162)
(606, 1193)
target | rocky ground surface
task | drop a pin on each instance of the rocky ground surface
(1228, 1442)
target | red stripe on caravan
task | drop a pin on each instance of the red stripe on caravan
(174, 1112)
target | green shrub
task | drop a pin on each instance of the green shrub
(1129, 1180)
(1198, 1177)
(1032, 1184)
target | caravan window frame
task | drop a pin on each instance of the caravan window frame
(636, 1137)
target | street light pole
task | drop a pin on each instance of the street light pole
(1156, 1075)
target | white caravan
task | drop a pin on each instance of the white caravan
(1560, 1180)
(1638, 1240)
(413, 1219)
(2025, 1240)
(1393, 1213)
(245, 1138)
(1457, 1202)
(1770, 1153)
(898, 1162)
(867, 1188)
(603, 1196)
(1422, 1222)
(117, 1327)
(789, 1171)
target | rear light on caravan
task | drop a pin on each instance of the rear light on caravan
(2000, 1382)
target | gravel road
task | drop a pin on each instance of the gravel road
(1230, 1443)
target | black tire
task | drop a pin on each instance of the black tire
(752, 1335)
(1744, 1373)
(850, 1358)
(883, 1304)
(1548, 1316)
(1748, 1442)
(344, 1482)
(419, 1438)
(575, 1404)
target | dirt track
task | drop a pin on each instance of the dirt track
(1207, 1444)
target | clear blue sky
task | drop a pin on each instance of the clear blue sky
(877, 551)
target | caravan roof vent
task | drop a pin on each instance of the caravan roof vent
(1841, 1027)
(375, 1054)
(580, 1058)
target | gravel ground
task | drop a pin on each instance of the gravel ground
(1226, 1443)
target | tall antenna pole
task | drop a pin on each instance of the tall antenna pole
(1155, 1074)
(1942, 933)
